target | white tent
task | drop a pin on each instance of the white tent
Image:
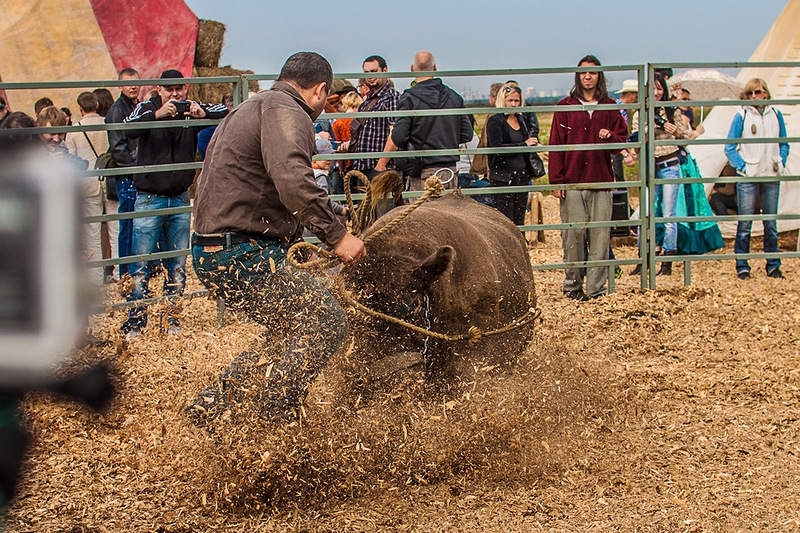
(782, 43)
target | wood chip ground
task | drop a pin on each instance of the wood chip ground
(669, 410)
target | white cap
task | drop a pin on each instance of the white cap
(629, 86)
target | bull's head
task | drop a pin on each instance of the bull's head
(398, 285)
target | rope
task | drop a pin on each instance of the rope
(361, 176)
(326, 259)
(297, 259)
(433, 188)
(473, 334)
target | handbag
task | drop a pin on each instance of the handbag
(103, 161)
(537, 166)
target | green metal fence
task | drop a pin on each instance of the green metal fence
(646, 188)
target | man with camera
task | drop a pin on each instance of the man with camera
(163, 189)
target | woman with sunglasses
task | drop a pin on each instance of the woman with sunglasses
(506, 170)
(757, 120)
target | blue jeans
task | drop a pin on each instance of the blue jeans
(668, 194)
(126, 193)
(746, 194)
(172, 231)
(301, 318)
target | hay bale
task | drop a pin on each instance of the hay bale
(210, 37)
(212, 93)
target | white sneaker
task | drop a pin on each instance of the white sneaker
(132, 334)
(174, 330)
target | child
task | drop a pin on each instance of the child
(321, 169)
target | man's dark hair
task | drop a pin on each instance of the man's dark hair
(307, 69)
(17, 119)
(601, 91)
(128, 72)
(87, 102)
(381, 61)
(104, 100)
(41, 103)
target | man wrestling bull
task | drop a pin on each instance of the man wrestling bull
(255, 195)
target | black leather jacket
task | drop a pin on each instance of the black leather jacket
(123, 148)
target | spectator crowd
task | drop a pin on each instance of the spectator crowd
(149, 145)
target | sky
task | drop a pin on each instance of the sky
(472, 34)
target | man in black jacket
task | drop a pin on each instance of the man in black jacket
(428, 133)
(163, 189)
(123, 151)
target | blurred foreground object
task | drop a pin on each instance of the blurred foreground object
(43, 292)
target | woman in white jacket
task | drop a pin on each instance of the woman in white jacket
(757, 120)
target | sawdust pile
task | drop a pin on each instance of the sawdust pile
(666, 410)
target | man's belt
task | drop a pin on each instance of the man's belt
(228, 239)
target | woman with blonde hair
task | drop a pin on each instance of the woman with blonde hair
(509, 130)
(348, 103)
(757, 120)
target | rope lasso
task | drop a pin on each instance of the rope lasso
(473, 334)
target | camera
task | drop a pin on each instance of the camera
(43, 297)
(659, 120)
(182, 106)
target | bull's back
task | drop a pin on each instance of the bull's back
(491, 280)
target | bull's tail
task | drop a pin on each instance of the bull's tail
(384, 193)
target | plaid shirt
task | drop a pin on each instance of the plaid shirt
(373, 135)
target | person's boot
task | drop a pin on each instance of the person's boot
(666, 268)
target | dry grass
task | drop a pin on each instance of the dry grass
(210, 38)
(667, 410)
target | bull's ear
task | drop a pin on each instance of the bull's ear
(432, 268)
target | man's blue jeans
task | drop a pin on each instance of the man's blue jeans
(304, 326)
(668, 194)
(173, 232)
(746, 196)
(126, 193)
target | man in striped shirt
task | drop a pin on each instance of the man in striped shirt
(370, 134)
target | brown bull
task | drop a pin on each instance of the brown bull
(451, 265)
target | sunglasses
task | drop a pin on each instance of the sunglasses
(512, 90)
(757, 92)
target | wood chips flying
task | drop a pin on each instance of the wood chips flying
(668, 410)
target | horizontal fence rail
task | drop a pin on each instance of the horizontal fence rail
(644, 225)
